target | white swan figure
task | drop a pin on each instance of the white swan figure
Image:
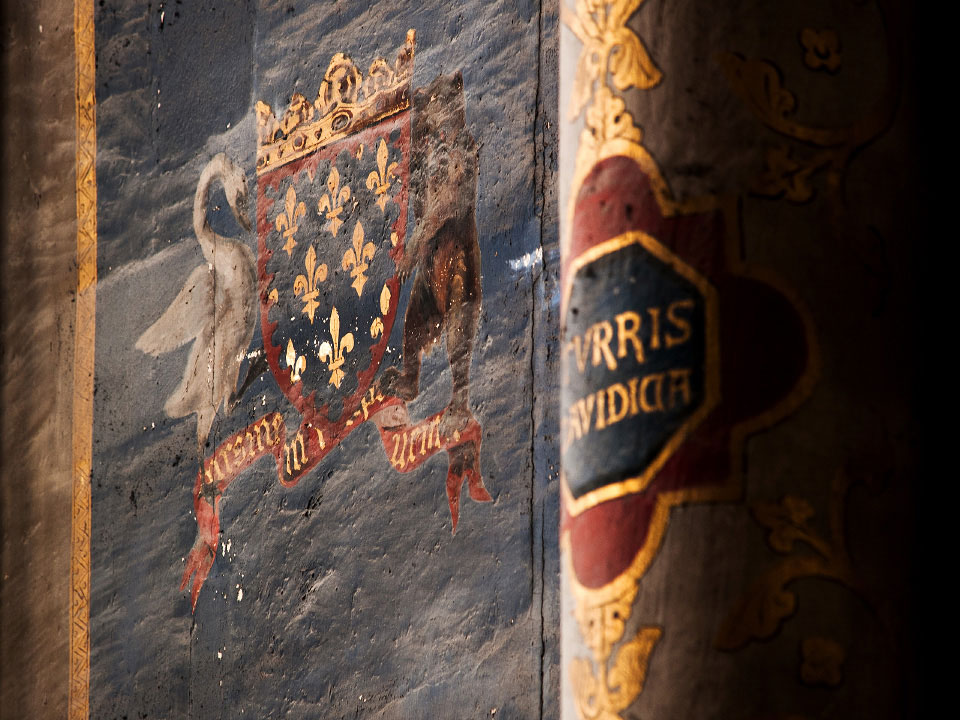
(216, 309)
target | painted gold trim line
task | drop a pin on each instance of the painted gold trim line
(78, 707)
(711, 399)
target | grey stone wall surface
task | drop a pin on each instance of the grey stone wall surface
(347, 595)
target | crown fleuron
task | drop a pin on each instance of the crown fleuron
(346, 103)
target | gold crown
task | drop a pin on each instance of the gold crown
(345, 104)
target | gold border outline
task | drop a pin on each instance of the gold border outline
(731, 489)
(635, 484)
(78, 707)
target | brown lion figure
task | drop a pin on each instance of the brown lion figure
(442, 255)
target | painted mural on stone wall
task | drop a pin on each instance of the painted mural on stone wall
(352, 157)
(309, 357)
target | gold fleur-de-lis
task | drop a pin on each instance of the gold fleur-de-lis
(385, 300)
(296, 363)
(357, 257)
(376, 327)
(334, 354)
(287, 221)
(306, 285)
(379, 179)
(332, 202)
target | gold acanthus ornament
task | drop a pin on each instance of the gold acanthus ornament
(332, 202)
(379, 180)
(356, 258)
(307, 285)
(609, 46)
(287, 221)
(607, 686)
(334, 354)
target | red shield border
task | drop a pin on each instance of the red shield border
(315, 415)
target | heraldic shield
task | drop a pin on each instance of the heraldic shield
(333, 188)
(331, 226)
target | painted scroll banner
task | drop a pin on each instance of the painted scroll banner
(329, 285)
(302, 348)
(407, 444)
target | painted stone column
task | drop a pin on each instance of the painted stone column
(735, 193)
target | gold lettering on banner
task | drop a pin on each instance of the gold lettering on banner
(332, 202)
(286, 222)
(224, 455)
(263, 429)
(238, 452)
(602, 335)
(415, 443)
(625, 334)
(680, 323)
(642, 394)
(593, 347)
(290, 453)
(396, 457)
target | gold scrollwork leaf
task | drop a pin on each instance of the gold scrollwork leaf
(588, 69)
(758, 83)
(609, 46)
(585, 688)
(607, 120)
(821, 49)
(758, 614)
(782, 175)
(786, 521)
(629, 671)
(630, 63)
(767, 602)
